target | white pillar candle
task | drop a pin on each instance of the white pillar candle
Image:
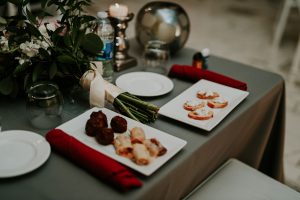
(118, 10)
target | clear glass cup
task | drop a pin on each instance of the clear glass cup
(44, 105)
(156, 56)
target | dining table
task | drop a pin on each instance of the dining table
(253, 132)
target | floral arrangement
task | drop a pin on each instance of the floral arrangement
(34, 49)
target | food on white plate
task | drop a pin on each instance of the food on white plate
(137, 135)
(105, 136)
(193, 104)
(155, 147)
(141, 155)
(95, 123)
(137, 147)
(201, 114)
(203, 94)
(118, 124)
(123, 146)
(217, 103)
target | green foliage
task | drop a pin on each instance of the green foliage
(67, 50)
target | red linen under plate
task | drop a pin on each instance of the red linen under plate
(98, 164)
(194, 74)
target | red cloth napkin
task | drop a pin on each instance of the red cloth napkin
(93, 161)
(194, 74)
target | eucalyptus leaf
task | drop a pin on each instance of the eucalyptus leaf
(52, 70)
(44, 53)
(67, 40)
(27, 81)
(92, 43)
(2, 20)
(20, 68)
(43, 3)
(15, 2)
(6, 86)
(66, 59)
(87, 18)
(78, 39)
(30, 16)
(33, 30)
(37, 71)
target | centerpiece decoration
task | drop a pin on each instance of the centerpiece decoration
(38, 47)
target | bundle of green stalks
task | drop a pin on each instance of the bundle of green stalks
(135, 108)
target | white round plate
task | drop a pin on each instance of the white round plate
(146, 84)
(21, 152)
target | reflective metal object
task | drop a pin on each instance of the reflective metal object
(165, 21)
(122, 59)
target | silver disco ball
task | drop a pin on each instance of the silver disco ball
(165, 21)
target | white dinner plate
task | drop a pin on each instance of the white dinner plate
(76, 128)
(174, 108)
(21, 152)
(146, 84)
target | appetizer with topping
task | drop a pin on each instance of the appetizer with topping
(217, 103)
(201, 114)
(193, 105)
(207, 94)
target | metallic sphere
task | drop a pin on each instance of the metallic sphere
(165, 21)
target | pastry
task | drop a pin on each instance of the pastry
(137, 135)
(155, 147)
(123, 145)
(141, 155)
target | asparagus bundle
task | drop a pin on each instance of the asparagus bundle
(124, 102)
(135, 108)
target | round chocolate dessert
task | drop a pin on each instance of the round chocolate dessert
(118, 124)
(106, 136)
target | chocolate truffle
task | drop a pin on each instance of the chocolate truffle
(118, 124)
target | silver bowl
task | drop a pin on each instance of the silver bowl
(165, 21)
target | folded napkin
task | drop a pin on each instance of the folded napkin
(194, 74)
(93, 161)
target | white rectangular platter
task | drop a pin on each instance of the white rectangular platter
(174, 108)
(76, 128)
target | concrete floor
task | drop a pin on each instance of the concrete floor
(242, 30)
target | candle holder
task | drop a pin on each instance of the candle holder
(122, 59)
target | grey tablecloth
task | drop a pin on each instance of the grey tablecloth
(253, 133)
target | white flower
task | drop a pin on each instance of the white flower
(52, 26)
(22, 60)
(4, 43)
(43, 31)
(44, 44)
(29, 48)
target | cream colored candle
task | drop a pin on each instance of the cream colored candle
(118, 10)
